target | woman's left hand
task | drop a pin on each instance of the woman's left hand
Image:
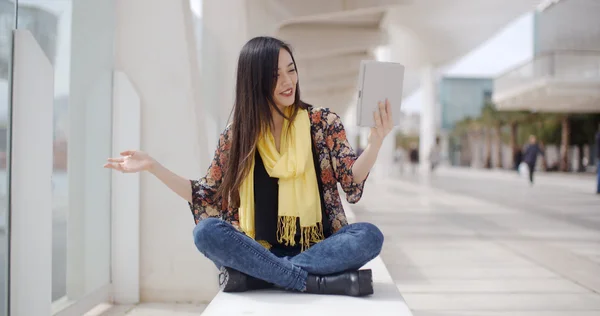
(383, 123)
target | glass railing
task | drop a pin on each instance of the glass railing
(576, 66)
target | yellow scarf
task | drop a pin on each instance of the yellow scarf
(298, 187)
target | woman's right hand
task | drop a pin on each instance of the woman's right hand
(131, 161)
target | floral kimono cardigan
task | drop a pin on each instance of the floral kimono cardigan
(335, 156)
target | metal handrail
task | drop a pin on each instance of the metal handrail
(562, 64)
(546, 54)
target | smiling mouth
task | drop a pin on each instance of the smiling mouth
(287, 93)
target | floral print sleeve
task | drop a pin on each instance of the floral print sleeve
(204, 202)
(342, 158)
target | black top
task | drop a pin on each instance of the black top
(531, 153)
(266, 195)
(414, 155)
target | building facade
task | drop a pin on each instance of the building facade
(462, 98)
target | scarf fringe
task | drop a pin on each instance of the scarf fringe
(286, 232)
(311, 235)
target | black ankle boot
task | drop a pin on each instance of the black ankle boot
(352, 283)
(231, 280)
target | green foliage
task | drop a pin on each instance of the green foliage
(545, 126)
(405, 141)
(516, 127)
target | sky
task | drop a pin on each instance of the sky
(509, 47)
(196, 6)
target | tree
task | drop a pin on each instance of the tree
(463, 131)
(490, 121)
(495, 121)
(405, 141)
(549, 128)
(564, 143)
(544, 126)
(515, 119)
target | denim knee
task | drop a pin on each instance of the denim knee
(206, 232)
(371, 236)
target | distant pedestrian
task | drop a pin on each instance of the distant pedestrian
(399, 158)
(598, 160)
(518, 158)
(435, 156)
(530, 156)
(414, 157)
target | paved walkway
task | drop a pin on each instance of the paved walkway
(486, 243)
(472, 242)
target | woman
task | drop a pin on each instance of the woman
(268, 212)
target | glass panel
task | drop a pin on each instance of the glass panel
(77, 37)
(7, 24)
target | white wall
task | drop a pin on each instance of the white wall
(260, 19)
(227, 26)
(224, 33)
(155, 48)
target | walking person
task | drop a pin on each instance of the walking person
(414, 157)
(598, 160)
(517, 158)
(435, 156)
(268, 212)
(399, 159)
(530, 156)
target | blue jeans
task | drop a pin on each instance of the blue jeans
(598, 180)
(348, 249)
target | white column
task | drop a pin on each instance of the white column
(385, 159)
(31, 173)
(408, 48)
(427, 126)
(445, 158)
(125, 219)
(89, 139)
(156, 49)
(349, 120)
(364, 136)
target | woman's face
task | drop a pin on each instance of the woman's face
(287, 78)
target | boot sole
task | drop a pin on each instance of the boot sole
(365, 282)
(231, 280)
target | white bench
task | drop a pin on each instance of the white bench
(387, 300)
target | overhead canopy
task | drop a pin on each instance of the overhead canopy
(331, 37)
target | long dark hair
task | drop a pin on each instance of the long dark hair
(252, 111)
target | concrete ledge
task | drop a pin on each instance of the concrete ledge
(387, 299)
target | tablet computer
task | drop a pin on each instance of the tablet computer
(377, 81)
